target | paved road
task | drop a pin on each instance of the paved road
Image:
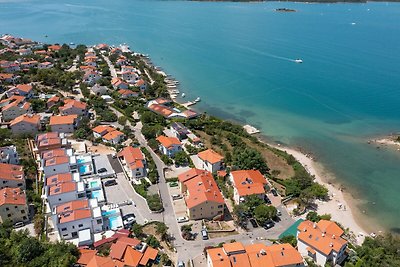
(110, 66)
(190, 249)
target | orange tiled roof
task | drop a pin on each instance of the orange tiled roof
(11, 172)
(160, 109)
(70, 103)
(73, 205)
(233, 247)
(149, 254)
(59, 178)
(13, 101)
(187, 175)
(86, 256)
(202, 188)
(62, 188)
(125, 92)
(74, 215)
(24, 87)
(112, 135)
(249, 182)
(12, 196)
(210, 156)
(59, 120)
(118, 249)
(168, 142)
(59, 152)
(32, 119)
(132, 257)
(53, 99)
(103, 129)
(133, 157)
(98, 261)
(321, 236)
(56, 161)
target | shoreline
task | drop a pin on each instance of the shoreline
(341, 205)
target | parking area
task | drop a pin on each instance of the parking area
(102, 161)
(119, 193)
(115, 164)
(178, 204)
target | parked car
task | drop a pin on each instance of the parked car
(268, 225)
(19, 224)
(204, 234)
(267, 200)
(273, 191)
(180, 264)
(101, 170)
(110, 182)
(173, 184)
(182, 219)
(176, 196)
(128, 221)
(278, 213)
(253, 223)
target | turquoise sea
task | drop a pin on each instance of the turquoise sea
(238, 58)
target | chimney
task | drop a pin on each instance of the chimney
(331, 244)
(314, 225)
(333, 236)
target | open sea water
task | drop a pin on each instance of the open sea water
(238, 57)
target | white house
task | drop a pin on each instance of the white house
(77, 215)
(169, 145)
(13, 205)
(56, 165)
(321, 242)
(45, 65)
(72, 106)
(134, 162)
(64, 124)
(25, 124)
(12, 176)
(210, 160)
(64, 192)
(13, 107)
(246, 183)
(108, 134)
(9, 155)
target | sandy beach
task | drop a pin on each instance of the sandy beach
(387, 142)
(337, 206)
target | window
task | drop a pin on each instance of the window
(54, 170)
(220, 206)
(63, 229)
(80, 225)
(22, 211)
(15, 207)
(24, 218)
(73, 226)
(65, 235)
(59, 199)
(8, 215)
(212, 207)
(99, 221)
(20, 184)
(7, 209)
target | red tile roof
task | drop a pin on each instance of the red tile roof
(248, 182)
(11, 172)
(27, 118)
(86, 256)
(59, 120)
(149, 254)
(59, 178)
(168, 142)
(73, 205)
(61, 188)
(133, 157)
(70, 103)
(74, 215)
(210, 156)
(202, 188)
(118, 249)
(12, 196)
(132, 257)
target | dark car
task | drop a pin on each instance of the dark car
(273, 191)
(110, 182)
(253, 223)
(101, 170)
(267, 200)
(268, 225)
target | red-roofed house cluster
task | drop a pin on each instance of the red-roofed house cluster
(163, 107)
(124, 251)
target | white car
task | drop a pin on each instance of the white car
(182, 219)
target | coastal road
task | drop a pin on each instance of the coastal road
(110, 66)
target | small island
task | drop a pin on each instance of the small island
(285, 10)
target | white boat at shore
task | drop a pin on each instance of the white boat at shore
(197, 99)
(183, 95)
(298, 60)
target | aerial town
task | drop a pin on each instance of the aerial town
(95, 152)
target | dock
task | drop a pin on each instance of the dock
(250, 129)
(189, 103)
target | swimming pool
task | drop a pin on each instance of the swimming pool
(115, 222)
(85, 169)
(94, 184)
(110, 212)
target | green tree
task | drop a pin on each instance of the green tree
(181, 158)
(263, 213)
(137, 230)
(122, 120)
(249, 159)
(162, 230)
(290, 239)
(152, 241)
(38, 105)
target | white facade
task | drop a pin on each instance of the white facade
(205, 165)
(63, 197)
(319, 257)
(63, 128)
(171, 151)
(9, 154)
(24, 128)
(13, 112)
(56, 169)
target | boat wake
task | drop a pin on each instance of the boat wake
(261, 53)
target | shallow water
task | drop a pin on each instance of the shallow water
(238, 57)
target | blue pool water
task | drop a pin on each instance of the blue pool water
(114, 222)
(84, 169)
(109, 213)
(238, 58)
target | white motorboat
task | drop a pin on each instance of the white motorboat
(197, 99)
(183, 95)
(298, 60)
